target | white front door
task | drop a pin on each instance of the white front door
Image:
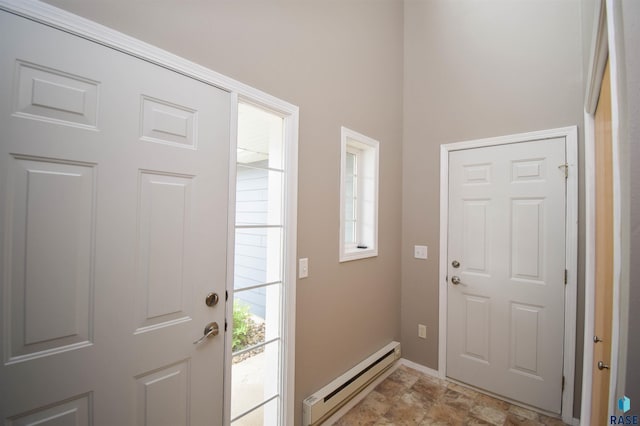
(113, 218)
(506, 266)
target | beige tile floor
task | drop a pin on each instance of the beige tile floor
(409, 397)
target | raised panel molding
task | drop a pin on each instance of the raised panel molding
(163, 223)
(528, 170)
(168, 123)
(163, 396)
(72, 412)
(475, 234)
(476, 344)
(477, 174)
(525, 338)
(45, 94)
(527, 239)
(51, 256)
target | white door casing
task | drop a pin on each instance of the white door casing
(113, 192)
(506, 229)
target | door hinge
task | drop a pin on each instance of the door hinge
(565, 166)
(562, 382)
(225, 325)
(566, 276)
(226, 295)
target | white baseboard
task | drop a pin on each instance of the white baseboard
(361, 395)
(421, 368)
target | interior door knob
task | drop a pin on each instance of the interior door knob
(596, 339)
(602, 366)
(455, 280)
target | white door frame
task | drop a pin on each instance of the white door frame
(571, 254)
(605, 44)
(81, 27)
(290, 130)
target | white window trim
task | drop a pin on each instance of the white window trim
(352, 141)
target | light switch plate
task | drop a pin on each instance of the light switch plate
(303, 267)
(422, 331)
(420, 252)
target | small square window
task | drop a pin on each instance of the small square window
(358, 196)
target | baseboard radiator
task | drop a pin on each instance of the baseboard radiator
(322, 404)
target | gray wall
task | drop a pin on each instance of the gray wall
(341, 63)
(473, 70)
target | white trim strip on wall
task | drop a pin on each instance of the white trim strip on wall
(570, 134)
(589, 274)
(599, 54)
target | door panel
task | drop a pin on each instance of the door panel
(604, 252)
(113, 192)
(163, 396)
(51, 263)
(507, 230)
(477, 330)
(74, 412)
(475, 231)
(163, 292)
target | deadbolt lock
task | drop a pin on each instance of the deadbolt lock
(212, 299)
(455, 264)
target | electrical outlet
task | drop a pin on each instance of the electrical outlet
(422, 331)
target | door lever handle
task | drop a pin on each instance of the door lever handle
(602, 366)
(211, 329)
(596, 339)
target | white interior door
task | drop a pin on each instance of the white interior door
(506, 265)
(113, 213)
